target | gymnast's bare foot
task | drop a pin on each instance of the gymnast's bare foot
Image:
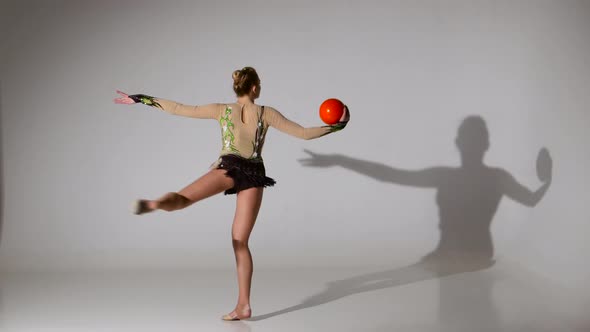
(142, 206)
(240, 312)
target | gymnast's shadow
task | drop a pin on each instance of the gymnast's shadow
(467, 197)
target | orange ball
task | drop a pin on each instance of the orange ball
(331, 110)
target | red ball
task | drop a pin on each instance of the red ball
(331, 110)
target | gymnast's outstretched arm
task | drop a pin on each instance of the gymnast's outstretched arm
(276, 119)
(208, 111)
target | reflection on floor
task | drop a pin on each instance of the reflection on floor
(501, 298)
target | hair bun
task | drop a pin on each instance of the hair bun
(236, 74)
(244, 80)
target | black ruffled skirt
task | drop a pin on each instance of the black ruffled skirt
(246, 173)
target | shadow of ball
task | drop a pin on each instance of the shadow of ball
(544, 165)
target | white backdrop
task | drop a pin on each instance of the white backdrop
(411, 72)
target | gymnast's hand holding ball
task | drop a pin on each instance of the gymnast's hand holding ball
(336, 114)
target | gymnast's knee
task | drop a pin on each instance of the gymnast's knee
(239, 244)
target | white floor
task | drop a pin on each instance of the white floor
(501, 298)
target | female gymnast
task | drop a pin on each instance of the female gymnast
(238, 170)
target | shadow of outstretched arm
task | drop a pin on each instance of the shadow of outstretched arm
(428, 177)
(521, 194)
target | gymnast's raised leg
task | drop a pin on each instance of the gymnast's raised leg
(211, 183)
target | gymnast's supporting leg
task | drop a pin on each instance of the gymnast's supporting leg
(213, 182)
(247, 207)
